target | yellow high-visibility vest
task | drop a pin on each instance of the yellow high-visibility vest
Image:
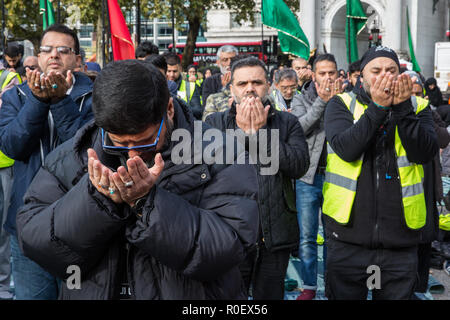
(4, 160)
(183, 90)
(341, 177)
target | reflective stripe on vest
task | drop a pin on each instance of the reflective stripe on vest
(9, 77)
(341, 177)
(187, 90)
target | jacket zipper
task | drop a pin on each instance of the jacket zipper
(129, 274)
(375, 234)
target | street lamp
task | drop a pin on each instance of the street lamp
(374, 35)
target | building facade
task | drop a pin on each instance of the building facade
(323, 22)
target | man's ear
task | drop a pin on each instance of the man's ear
(170, 109)
(78, 57)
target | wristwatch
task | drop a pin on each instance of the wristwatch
(138, 206)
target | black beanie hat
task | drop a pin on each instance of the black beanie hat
(376, 52)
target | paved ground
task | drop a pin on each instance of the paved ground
(439, 281)
(444, 279)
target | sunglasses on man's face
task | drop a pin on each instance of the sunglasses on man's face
(124, 150)
(30, 67)
(61, 49)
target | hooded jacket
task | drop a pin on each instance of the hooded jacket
(435, 95)
(377, 219)
(276, 200)
(26, 124)
(196, 225)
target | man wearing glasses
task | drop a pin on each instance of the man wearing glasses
(286, 88)
(35, 118)
(29, 63)
(114, 203)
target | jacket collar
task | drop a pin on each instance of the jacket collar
(309, 91)
(361, 94)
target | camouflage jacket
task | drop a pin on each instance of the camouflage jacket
(217, 102)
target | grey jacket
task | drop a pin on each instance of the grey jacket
(309, 108)
(445, 160)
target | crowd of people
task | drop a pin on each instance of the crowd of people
(90, 177)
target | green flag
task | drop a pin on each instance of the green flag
(355, 23)
(48, 15)
(276, 14)
(414, 62)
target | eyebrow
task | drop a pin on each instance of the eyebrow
(257, 81)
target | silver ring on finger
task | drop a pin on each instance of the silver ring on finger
(327, 89)
(128, 184)
(387, 90)
(111, 190)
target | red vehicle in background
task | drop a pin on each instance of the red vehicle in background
(206, 52)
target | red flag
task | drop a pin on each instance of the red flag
(120, 35)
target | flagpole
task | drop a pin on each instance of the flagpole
(103, 35)
(348, 41)
(46, 13)
(59, 12)
(138, 21)
(173, 26)
(109, 33)
(3, 27)
(262, 32)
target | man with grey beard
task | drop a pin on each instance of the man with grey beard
(265, 267)
(217, 82)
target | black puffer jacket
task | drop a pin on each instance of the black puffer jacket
(197, 224)
(278, 215)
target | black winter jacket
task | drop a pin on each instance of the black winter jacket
(377, 218)
(197, 224)
(277, 213)
(210, 86)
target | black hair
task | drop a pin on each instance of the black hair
(12, 51)
(21, 71)
(286, 73)
(128, 96)
(158, 61)
(172, 58)
(146, 48)
(272, 73)
(247, 62)
(61, 28)
(324, 57)
(354, 67)
(192, 66)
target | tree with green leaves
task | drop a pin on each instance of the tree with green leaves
(23, 20)
(194, 12)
